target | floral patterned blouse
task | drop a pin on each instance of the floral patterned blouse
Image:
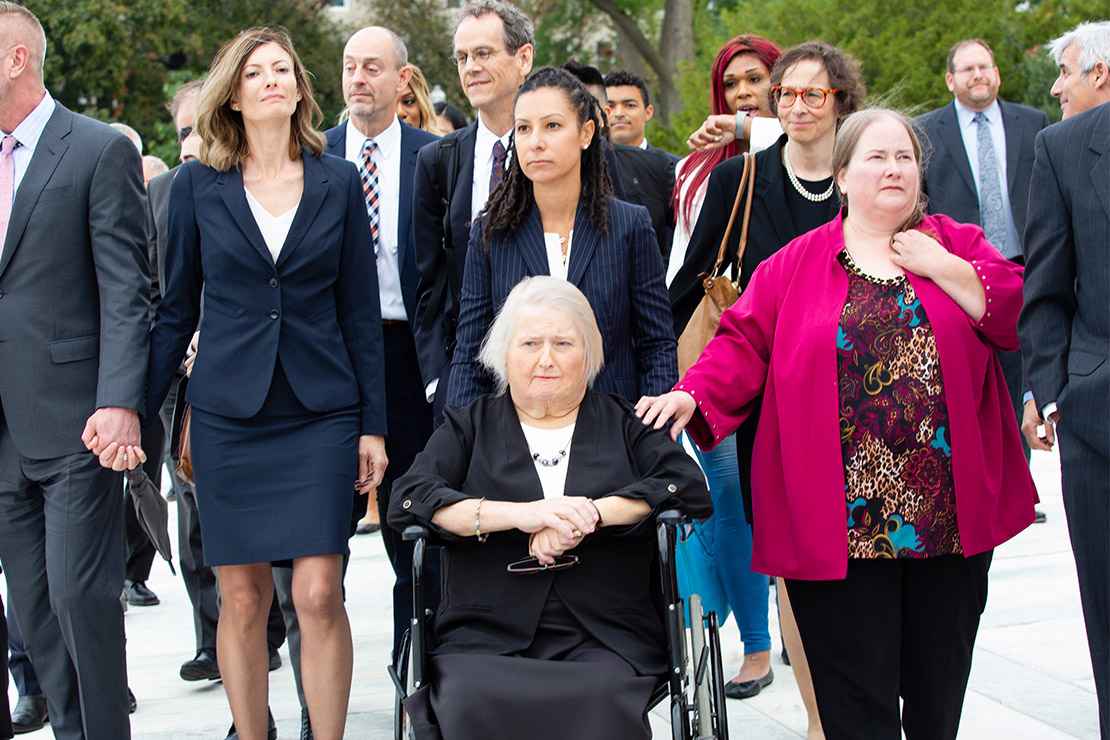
(894, 430)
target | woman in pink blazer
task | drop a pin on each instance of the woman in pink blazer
(887, 461)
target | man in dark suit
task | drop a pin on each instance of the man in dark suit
(493, 48)
(74, 319)
(1065, 325)
(385, 151)
(5, 709)
(981, 162)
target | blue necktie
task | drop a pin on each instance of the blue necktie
(992, 207)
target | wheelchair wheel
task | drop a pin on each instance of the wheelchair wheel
(700, 678)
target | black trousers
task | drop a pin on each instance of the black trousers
(5, 710)
(892, 628)
(61, 529)
(409, 417)
(19, 662)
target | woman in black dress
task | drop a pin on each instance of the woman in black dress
(287, 388)
(561, 472)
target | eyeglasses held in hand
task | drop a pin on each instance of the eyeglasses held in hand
(813, 97)
(529, 566)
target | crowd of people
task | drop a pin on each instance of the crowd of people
(489, 328)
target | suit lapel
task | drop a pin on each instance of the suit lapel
(337, 141)
(771, 186)
(1100, 164)
(531, 244)
(234, 196)
(953, 142)
(409, 151)
(583, 446)
(516, 454)
(583, 245)
(48, 154)
(463, 190)
(315, 190)
(1015, 142)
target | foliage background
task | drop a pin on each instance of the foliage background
(121, 60)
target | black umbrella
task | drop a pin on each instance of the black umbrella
(152, 512)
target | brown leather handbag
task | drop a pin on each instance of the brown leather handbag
(184, 449)
(720, 292)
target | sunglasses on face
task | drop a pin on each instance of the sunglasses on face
(183, 133)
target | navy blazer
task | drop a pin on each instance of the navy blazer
(411, 141)
(620, 274)
(317, 308)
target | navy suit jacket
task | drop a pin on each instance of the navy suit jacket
(317, 308)
(411, 141)
(620, 274)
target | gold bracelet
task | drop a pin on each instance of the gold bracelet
(478, 522)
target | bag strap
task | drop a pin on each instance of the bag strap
(747, 182)
(743, 246)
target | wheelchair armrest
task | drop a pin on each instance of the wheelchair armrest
(414, 533)
(671, 518)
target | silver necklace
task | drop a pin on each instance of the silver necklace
(812, 197)
(553, 460)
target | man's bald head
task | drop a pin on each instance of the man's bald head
(377, 37)
(20, 29)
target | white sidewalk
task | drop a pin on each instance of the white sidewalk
(1031, 678)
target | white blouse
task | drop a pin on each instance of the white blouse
(557, 264)
(274, 229)
(550, 453)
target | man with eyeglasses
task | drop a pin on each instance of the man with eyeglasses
(493, 50)
(981, 165)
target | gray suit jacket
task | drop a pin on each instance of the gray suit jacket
(74, 287)
(948, 179)
(157, 232)
(1065, 324)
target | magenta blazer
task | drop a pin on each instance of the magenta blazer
(779, 340)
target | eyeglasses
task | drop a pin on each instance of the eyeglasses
(974, 69)
(480, 55)
(183, 133)
(813, 97)
(529, 566)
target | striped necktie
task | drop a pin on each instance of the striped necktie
(368, 173)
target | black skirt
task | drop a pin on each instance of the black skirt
(566, 684)
(276, 486)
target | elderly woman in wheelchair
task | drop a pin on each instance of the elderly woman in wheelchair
(544, 494)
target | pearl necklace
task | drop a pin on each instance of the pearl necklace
(811, 197)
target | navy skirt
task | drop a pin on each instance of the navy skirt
(276, 486)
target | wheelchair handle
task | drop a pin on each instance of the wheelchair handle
(413, 533)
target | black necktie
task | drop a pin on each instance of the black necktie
(498, 171)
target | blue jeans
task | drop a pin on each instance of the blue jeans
(729, 536)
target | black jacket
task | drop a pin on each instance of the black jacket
(648, 179)
(481, 451)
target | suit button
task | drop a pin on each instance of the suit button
(273, 282)
(672, 488)
(273, 314)
(407, 504)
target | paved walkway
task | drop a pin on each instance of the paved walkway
(1031, 678)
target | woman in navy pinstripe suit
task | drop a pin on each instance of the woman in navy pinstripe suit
(554, 214)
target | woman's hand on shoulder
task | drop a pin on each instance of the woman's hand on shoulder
(677, 407)
(919, 253)
(572, 517)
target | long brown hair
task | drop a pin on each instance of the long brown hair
(418, 84)
(223, 135)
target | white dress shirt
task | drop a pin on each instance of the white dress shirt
(483, 165)
(969, 131)
(550, 444)
(28, 133)
(644, 144)
(387, 158)
(557, 264)
(275, 229)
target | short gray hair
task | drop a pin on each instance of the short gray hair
(542, 291)
(30, 21)
(131, 134)
(518, 27)
(1094, 44)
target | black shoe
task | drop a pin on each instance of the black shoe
(785, 656)
(201, 668)
(29, 714)
(132, 702)
(1039, 517)
(275, 660)
(271, 734)
(139, 595)
(367, 528)
(306, 726)
(748, 689)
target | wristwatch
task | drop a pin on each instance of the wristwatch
(741, 116)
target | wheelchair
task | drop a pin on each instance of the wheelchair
(694, 685)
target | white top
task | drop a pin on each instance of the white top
(557, 266)
(274, 228)
(643, 143)
(28, 133)
(969, 131)
(483, 165)
(550, 444)
(764, 133)
(387, 158)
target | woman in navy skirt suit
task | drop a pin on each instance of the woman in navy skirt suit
(287, 391)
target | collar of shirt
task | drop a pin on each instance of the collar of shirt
(643, 143)
(483, 147)
(30, 129)
(966, 116)
(388, 141)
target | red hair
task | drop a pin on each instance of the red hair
(700, 164)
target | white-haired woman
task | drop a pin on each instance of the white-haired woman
(569, 637)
